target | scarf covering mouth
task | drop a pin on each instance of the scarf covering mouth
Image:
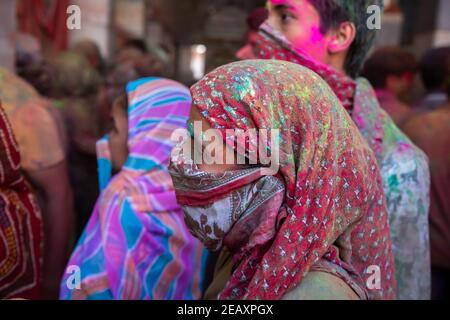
(332, 205)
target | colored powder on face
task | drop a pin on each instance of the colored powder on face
(316, 35)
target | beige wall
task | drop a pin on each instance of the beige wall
(129, 15)
(7, 27)
(95, 23)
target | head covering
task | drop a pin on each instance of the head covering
(90, 50)
(331, 202)
(404, 167)
(20, 224)
(136, 245)
(74, 76)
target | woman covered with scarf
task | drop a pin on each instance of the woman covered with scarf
(312, 34)
(20, 224)
(316, 228)
(136, 245)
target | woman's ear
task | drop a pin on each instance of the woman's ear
(342, 38)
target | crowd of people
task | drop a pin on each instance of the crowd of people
(359, 209)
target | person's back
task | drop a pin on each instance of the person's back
(31, 121)
(431, 132)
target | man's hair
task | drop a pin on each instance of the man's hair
(334, 12)
(387, 61)
(256, 18)
(432, 67)
(137, 44)
(447, 77)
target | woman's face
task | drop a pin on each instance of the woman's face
(118, 136)
(196, 144)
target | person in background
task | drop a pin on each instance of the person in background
(20, 224)
(34, 69)
(254, 21)
(31, 64)
(133, 50)
(391, 71)
(432, 71)
(331, 38)
(431, 131)
(128, 70)
(116, 79)
(76, 86)
(136, 245)
(90, 50)
(138, 44)
(44, 163)
(146, 64)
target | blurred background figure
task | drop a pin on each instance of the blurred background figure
(431, 132)
(433, 75)
(31, 64)
(146, 63)
(391, 71)
(138, 44)
(90, 50)
(114, 82)
(254, 20)
(44, 163)
(76, 85)
(20, 224)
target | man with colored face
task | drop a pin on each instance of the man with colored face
(332, 37)
(323, 29)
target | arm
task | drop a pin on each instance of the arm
(53, 187)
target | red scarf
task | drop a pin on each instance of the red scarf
(271, 44)
(333, 217)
